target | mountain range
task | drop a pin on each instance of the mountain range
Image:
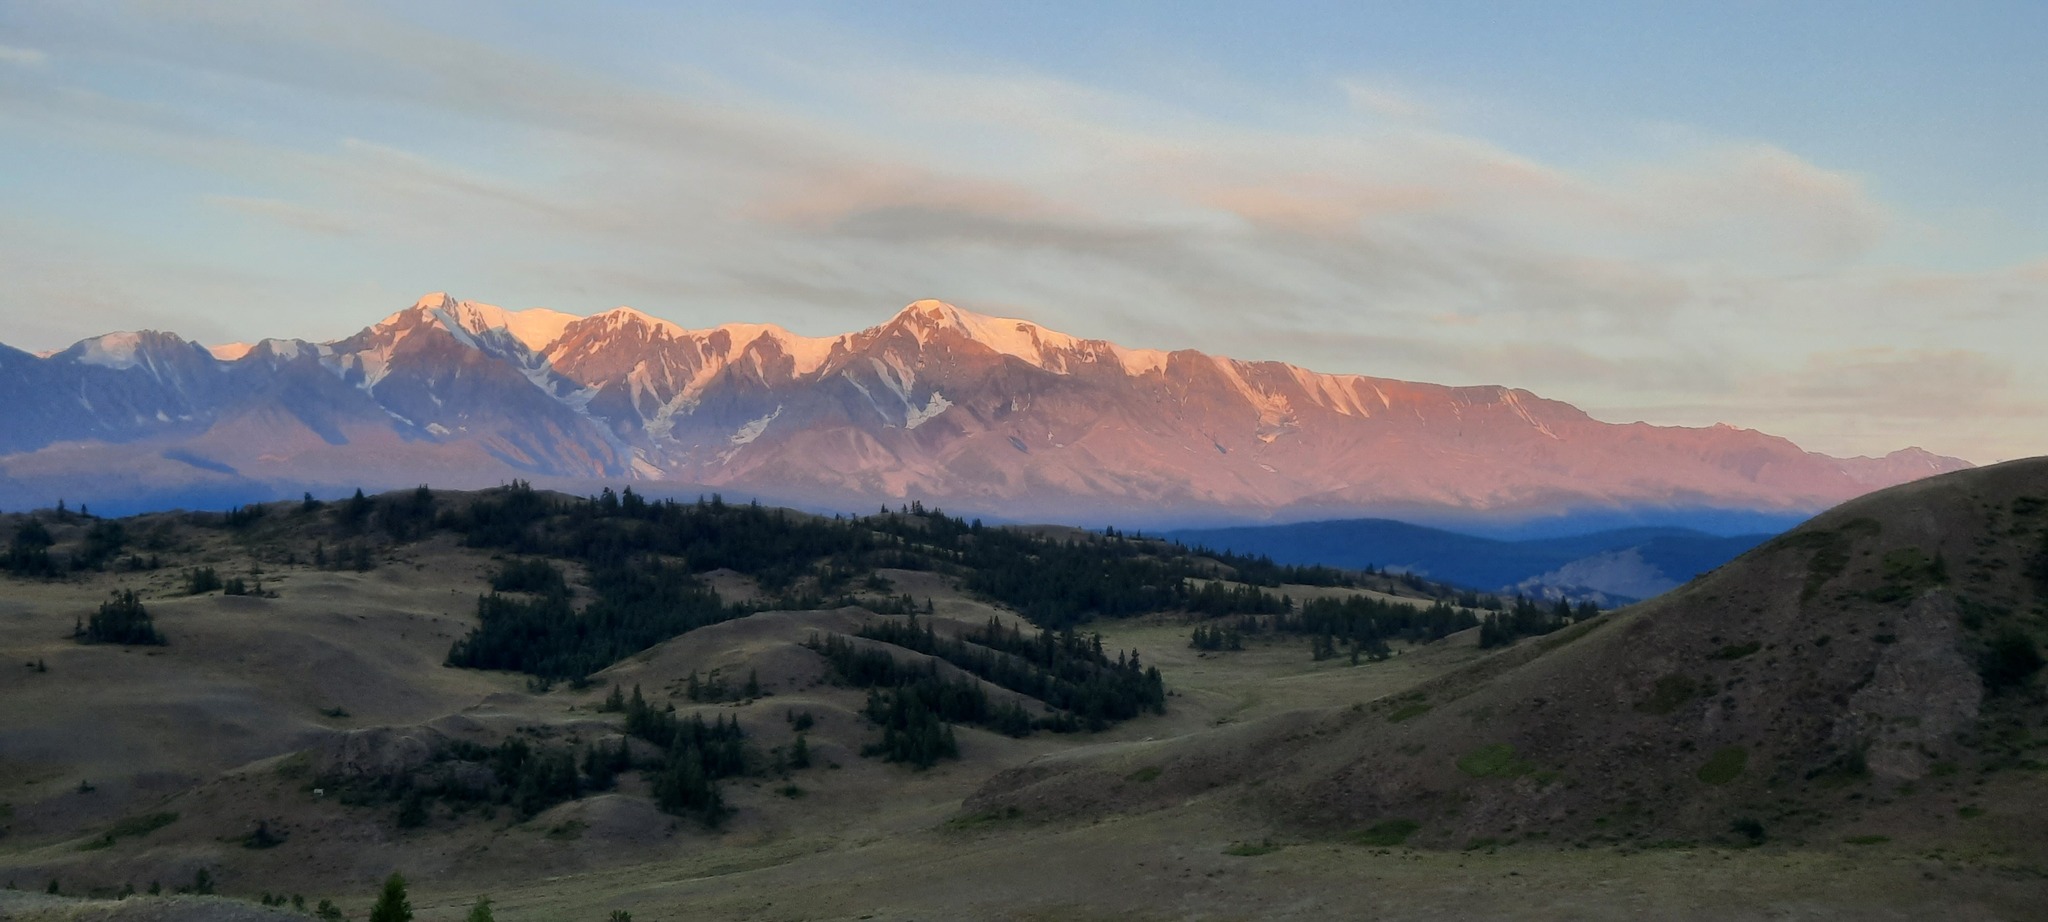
(987, 415)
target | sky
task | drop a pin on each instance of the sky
(1828, 221)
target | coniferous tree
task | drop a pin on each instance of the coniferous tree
(29, 553)
(481, 912)
(392, 903)
(122, 620)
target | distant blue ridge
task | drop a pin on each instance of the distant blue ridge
(1471, 560)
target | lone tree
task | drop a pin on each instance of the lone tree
(481, 912)
(392, 905)
(29, 553)
(121, 620)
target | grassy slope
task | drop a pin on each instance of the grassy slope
(1258, 747)
(1823, 686)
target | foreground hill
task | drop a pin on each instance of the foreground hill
(995, 415)
(1871, 676)
(1843, 721)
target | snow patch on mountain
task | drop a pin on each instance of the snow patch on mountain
(1513, 400)
(753, 429)
(1140, 362)
(114, 350)
(619, 318)
(932, 408)
(645, 469)
(1050, 350)
(809, 353)
(896, 378)
(229, 352)
(538, 327)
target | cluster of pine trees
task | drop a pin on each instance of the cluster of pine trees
(642, 558)
(915, 699)
(914, 721)
(1215, 599)
(696, 756)
(531, 575)
(635, 608)
(526, 777)
(914, 704)
(1361, 625)
(1067, 671)
(121, 620)
(29, 551)
(529, 777)
(1367, 624)
(1214, 639)
(1528, 619)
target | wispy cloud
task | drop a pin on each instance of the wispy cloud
(22, 57)
(1383, 101)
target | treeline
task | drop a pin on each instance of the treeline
(1367, 624)
(642, 557)
(462, 775)
(915, 703)
(29, 551)
(696, 756)
(636, 607)
(1218, 598)
(1217, 639)
(1361, 626)
(529, 777)
(1528, 619)
(1066, 671)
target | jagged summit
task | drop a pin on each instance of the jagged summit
(1049, 349)
(534, 328)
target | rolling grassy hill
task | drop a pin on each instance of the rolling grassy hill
(1846, 700)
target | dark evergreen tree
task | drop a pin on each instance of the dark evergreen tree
(392, 903)
(122, 620)
(29, 553)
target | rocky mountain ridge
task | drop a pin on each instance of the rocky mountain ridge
(994, 415)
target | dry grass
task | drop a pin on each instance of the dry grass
(1246, 800)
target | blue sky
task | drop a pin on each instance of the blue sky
(1820, 220)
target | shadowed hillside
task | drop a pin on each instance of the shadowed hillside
(1871, 675)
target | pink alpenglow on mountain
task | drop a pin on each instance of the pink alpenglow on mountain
(981, 413)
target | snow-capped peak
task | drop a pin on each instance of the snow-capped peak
(809, 353)
(113, 350)
(434, 301)
(535, 328)
(1047, 349)
(622, 317)
(228, 352)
